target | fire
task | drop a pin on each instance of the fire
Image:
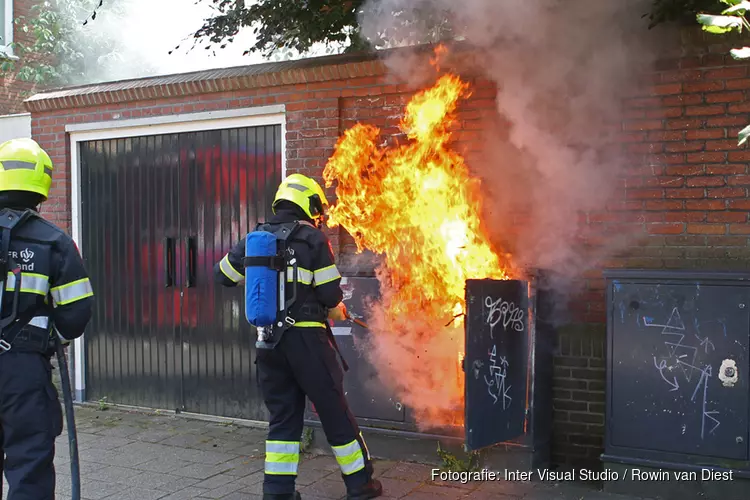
(418, 206)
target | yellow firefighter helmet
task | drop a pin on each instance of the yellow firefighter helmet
(25, 166)
(303, 192)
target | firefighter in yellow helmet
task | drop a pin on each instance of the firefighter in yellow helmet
(45, 288)
(296, 355)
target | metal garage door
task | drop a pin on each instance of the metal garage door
(157, 213)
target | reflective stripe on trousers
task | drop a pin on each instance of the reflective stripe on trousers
(349, 457)
(282, 457)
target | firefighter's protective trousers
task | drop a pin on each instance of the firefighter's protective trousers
(31, 419)
(305, 363)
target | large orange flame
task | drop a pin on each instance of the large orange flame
(418, 206)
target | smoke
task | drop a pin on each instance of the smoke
(561, 69)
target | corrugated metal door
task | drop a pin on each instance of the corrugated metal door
(157, 213)
(130, 211)
(231, 183)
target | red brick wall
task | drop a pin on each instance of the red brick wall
(13, 91)
(683, 195)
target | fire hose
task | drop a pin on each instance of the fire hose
(75, 475)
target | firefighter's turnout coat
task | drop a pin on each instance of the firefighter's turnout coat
(304, 363)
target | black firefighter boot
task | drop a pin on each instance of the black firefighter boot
(282, 496)
(373, 489)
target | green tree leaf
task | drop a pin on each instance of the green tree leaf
(740, 8)
(719, 24)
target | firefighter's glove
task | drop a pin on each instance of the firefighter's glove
(338, 313)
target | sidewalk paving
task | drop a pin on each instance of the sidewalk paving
(147, 456)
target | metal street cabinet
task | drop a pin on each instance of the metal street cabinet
(677, 373)
(507, 370)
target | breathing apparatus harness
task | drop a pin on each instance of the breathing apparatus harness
(11, 325)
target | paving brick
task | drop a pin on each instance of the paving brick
(177, 484)
(490, 495)
(241, 495)
(253, 479)
(201, 457)
(382, 466)
(508, 488)
(247, 448)
(221, 445)
(119, 431)
(420, 495)
(153, 435)
(242, 466)
(398, 487)
(156, 480)
(185, 494)
(257, 489)
(94, 490)
(215, 481)
(200, 471)
(138, 494)
(325, 488)
(183, 440)
(408, 470)
(163, 464)
(223, 491)
(307, 477)
(441, 492)
(101, 442)
(114, 474)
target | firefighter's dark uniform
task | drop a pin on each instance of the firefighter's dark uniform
(55, 290)
(305, 363)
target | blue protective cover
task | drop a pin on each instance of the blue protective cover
(261, 294)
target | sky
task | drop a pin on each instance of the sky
(151, 28)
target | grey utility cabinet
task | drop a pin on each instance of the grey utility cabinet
(677, 373)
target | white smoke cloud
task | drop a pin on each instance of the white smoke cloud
(561, 68)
